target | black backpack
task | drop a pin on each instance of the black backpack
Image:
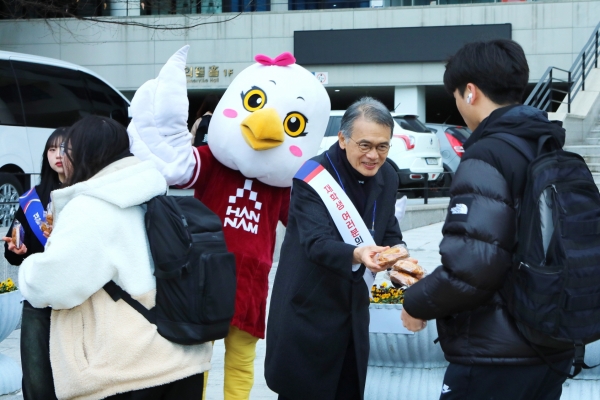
(195, 274)
(553, 289)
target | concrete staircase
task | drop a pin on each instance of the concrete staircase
(590, 151)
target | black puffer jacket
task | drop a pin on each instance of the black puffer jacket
(479, 237)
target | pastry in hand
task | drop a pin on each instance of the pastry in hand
(17, 235)
(388, 257)
(409, 268)
(402, 279)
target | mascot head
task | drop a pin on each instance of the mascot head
(271, 119)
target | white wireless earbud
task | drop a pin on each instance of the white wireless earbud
(469, 97)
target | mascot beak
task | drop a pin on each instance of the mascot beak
(263, 129)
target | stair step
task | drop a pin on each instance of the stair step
(585, 150)
(594, 133)
(592, 159)
(592, 140)
(594, 167)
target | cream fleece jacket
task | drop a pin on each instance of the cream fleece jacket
(99, 347)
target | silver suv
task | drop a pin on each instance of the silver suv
(452, 138)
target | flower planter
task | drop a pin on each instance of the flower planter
(10, 313)
(411, 366)
(402, 364)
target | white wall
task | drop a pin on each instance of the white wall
(552, 33)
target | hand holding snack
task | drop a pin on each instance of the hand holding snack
(13, 248)
(366, 255)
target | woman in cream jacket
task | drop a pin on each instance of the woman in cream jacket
(100, 348)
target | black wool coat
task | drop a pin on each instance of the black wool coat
(318, 304)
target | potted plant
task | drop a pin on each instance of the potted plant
(10, 313)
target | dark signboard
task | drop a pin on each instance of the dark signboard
(390, 45)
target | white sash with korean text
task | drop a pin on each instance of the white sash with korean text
(347, 220)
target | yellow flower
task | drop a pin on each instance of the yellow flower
(384, 284)
(7, 286)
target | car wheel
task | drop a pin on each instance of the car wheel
(10, 190)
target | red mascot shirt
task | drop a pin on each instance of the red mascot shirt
(249, 210)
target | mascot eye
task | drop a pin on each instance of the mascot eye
(254, 99)
(295, 124)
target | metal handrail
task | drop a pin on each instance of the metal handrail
(542, 94)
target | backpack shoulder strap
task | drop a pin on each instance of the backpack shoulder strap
(519, 144)
(117, 293)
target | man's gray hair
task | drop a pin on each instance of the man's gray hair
(371, 110)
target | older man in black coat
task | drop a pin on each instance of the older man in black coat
(318, 328)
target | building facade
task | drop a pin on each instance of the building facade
(384, 50)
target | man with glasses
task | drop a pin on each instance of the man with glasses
(318, 327)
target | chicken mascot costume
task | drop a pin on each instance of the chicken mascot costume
(271, 119)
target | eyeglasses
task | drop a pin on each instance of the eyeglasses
(366, 147)
(62, 149)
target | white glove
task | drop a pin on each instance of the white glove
(158, 129)
(400, 208)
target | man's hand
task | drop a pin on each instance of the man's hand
(364, 255)
(411, 323)
(13, 248)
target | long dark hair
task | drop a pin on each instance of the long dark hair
(49, 178)
(91, 144)
(209, 104)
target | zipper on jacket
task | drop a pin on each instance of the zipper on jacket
(187, 230)
(538, 270)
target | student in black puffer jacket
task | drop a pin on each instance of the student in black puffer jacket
(488, 356)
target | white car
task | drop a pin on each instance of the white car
(413, 154)
(38, 95)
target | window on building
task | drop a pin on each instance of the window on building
(326, 4)
(52, 96)
(11, 112)
(246, 5)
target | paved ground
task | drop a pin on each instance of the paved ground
(423, 244)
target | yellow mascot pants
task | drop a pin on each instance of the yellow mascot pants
(240, 352)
